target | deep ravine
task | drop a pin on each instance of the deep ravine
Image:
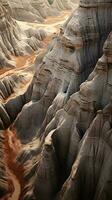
(56, 109)
(12, 145)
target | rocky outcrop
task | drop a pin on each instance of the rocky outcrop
(70, 58)
(9, 84)
(62, 4)
(15, 42)
(36, 10)
(3, 176)
(91, 173)
(22, 10)
(43, 7)
(65, 140)
(61, 104)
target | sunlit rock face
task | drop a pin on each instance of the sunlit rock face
(43, 7)
(8, 37)
(8, 86)
(36, 10)
(22, 10)
(70, 58)
(72, 139)
(62, 4)
(13, 41)
(56, 116)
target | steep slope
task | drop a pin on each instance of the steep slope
(69, 60)
(48, 160)
(22, 10)
(13, 41)
(34, 10)
(62, 4)
(95, 154)
(14, 82)
(56, 118)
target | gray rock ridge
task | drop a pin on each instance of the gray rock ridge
(13, 41)
(65, 132)
(95, 154)
(36, 10)
(22, 10)
(9, 83)
(63, 4)
(60, 106)
(70, 58)
(94, 3)
(75, 41)
(74, 69)
(8, 86)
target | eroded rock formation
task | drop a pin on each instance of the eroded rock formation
(62, 4)
(37, 10)
(57, 118)
(22, 10)
(3, 175)
(65, 140)
(13, 41)
(91, 173)
(69, 60)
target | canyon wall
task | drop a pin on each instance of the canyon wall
(69, 60)
(37, 10)
(13, 41)
(64, 119)
(72, 140)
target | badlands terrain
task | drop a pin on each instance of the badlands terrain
(55, 100)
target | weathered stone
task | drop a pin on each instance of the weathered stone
(65, 117)
(3, 176)
(13, 40)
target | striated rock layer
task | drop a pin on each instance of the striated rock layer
(22, 10)
(15, 42)
(69, 60)
(62, 4)
(66, 143)
(3, 175)
(36, 10)
(91, 173)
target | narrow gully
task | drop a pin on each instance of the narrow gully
(15, 171)
(12, 145)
